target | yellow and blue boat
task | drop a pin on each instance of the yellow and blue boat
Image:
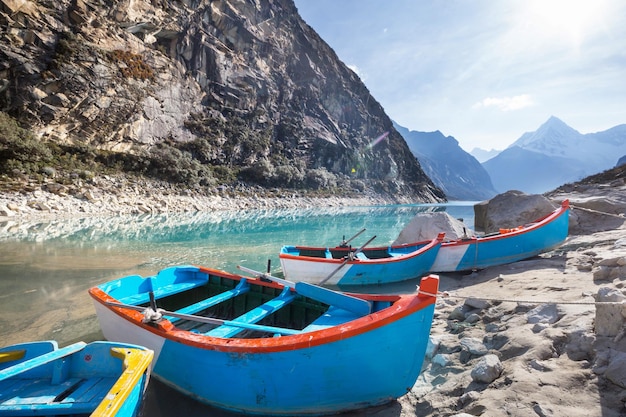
(99, 379)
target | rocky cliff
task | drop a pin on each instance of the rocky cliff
(201, 93)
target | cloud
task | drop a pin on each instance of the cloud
(505, 103)
(357, 71)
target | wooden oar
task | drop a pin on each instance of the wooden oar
(345, 242)
(267, 277)
(209, 320)
(335, 298)
(348, 258)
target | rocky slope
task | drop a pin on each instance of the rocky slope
(213, 91)
(452, 169)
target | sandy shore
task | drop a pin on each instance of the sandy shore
(541, 337)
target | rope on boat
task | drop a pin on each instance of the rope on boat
(444, 294)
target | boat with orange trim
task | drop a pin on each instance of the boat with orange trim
(343, 265)
(506, 245)
(268, 346)
(99, 379)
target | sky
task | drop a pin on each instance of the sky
(483, 71)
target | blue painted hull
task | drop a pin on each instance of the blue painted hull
(508, 246)
(379, 265)
(326, 379)
(342, 360)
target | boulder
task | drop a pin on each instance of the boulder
(426, 226)
(510, 209)
(610, 312)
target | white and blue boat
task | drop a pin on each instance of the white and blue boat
(343, 265)
(505, 246)
(99, 379)
(268, 346)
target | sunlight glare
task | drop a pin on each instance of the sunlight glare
(572, 19)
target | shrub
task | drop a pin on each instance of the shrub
(19, 150)
(321, 178)
(288, 176)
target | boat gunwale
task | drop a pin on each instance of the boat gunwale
(529, 227)
(427, 246)
(402, 306)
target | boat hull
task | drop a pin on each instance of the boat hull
(345, 375)
(510, 246)
(407, 262)
(363, 361)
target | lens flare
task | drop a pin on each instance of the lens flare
(377, 140)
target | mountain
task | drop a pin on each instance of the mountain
(483, 155)
(553, 155)
(452, 169)
(199, 93)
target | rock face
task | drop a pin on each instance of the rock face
(228, 83)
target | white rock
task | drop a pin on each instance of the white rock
(545, 313)
(442, 359)
(488, 369)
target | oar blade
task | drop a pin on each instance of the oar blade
(347, 302)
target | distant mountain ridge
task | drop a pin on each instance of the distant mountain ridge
(483, 155)
(553, 155)
(456, 172)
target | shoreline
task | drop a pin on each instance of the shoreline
(114, 196)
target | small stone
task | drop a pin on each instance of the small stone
(488, 369)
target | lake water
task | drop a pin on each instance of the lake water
(46, 267)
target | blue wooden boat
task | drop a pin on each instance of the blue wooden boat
(343, 265)
(506, 246)
(100, 379)
(264, 345)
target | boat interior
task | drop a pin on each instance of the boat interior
(247, 309)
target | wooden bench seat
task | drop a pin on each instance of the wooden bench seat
(72, 396)
(241, 288)
(161, 292)
(333, 317)
(254, 315)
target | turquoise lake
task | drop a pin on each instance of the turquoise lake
(46, 267)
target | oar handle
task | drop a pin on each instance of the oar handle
(345, 242)
(262, 275)
(345, 261)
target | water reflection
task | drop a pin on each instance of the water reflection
(204, 225)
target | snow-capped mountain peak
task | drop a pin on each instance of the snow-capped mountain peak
(554, 130)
